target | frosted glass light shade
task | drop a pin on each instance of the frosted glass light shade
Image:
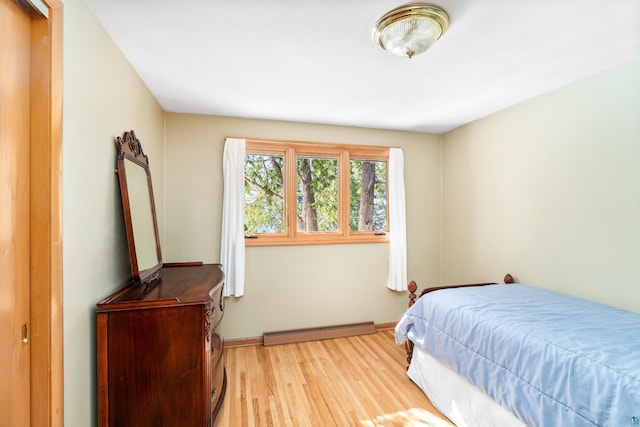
(410, 29)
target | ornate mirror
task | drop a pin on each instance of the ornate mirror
(139, 209)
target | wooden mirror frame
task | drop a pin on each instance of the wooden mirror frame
(130, 152)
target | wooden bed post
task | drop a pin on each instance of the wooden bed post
(408, 345)
(412, 292)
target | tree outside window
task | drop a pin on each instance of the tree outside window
(264, 193)
(368, 202)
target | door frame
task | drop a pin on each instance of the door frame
(47, 367)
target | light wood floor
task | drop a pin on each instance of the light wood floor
(355, 381)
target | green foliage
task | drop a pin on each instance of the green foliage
(263, 193)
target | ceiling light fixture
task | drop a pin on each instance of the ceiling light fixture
(410, 29)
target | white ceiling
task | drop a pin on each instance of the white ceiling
(315, 62)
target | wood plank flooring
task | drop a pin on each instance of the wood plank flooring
(354, 381)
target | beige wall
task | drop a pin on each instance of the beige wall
(549, 190)
(301, 286)
(103, 97)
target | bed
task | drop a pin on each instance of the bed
(517, 355)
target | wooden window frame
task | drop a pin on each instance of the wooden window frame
(344, 153)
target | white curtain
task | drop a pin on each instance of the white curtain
(232, 242)
(398, 223)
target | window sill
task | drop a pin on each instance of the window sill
(303, 240)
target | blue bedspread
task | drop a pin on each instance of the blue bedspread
(552, 359)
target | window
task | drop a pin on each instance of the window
(368, 191)
(308, 193)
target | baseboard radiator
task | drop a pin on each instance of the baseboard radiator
(320, 333)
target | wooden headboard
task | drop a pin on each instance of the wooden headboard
(413, 287)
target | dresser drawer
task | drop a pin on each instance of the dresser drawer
(217, 383)
(213, 325)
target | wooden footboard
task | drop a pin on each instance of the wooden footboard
(413, 287)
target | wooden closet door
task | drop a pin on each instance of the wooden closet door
(15, 81)
(31, 366)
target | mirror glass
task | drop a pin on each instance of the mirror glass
(138, 209)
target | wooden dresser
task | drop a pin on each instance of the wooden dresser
(160, 350)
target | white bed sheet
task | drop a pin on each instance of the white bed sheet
(453, 395)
